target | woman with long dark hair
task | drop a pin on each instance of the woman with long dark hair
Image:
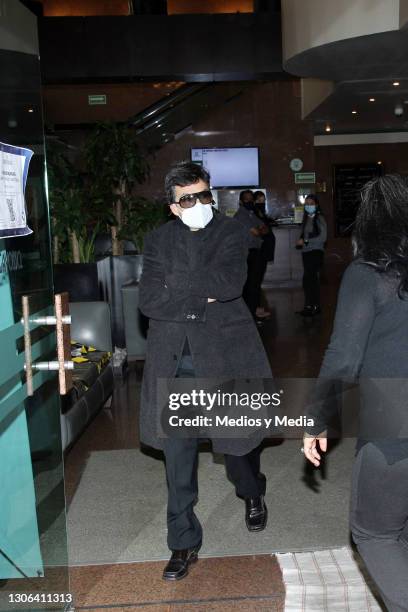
(312, 241)
(369, 345)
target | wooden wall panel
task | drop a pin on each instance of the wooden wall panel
(84, 8)
(175, 7)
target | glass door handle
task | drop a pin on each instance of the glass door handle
(62, 321)
(52, 365)
(50, 320)
(61, 304)
(28, 361)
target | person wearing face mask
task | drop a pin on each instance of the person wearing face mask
(312, 242)
(255, 229)
(194, 270)
(268, 245)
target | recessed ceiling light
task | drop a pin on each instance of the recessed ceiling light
(379, 163)
(328, 128)
(396, 83)
(354, 112)
(30, 110)
(372, 100)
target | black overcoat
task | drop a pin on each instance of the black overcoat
(181, 270)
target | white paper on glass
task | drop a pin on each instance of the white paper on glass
(14, 162)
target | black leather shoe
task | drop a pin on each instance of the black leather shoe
(256, 513)
(262, 483)
(177, 567)
(309, 311)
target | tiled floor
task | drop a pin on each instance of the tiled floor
(213, 584)
(252, 583)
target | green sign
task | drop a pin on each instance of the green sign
(96, 99)
(305, 177)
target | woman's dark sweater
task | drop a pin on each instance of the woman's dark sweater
(369, 344)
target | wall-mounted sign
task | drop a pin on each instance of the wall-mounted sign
(303, 178)
(14, 162)
(95, 100)
(296, 164)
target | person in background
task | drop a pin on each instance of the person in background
(268, 244)
(255, 228)
(369, 345)
(194, 269)
(312, 242)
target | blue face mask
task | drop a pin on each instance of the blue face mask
(310, 209)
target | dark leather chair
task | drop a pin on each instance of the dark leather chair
(91, 326)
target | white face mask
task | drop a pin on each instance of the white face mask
(198, 216)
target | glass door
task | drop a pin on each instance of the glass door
(33, 540)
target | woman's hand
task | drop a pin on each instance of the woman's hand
(300, 243)
(310, 446)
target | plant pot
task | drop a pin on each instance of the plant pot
(113, 273)
(136, 324)
(79, 280)
(103, 246)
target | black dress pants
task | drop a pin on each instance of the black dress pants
(252, 288)
(312, 265)
(183, 527)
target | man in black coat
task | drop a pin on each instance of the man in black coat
(194, 269)
(255, 228)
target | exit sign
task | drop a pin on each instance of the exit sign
(305, 177)
(94, 100)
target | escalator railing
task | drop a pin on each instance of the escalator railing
(166, 119)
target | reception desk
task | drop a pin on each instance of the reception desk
(287, 269)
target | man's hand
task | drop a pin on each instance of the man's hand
(255, 231)
(264, 230)
(310, 446)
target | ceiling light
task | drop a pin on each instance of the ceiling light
(328, 128)
(354, 112)
(372, 100)
(379, 163)
(396, 83)
(30, 110)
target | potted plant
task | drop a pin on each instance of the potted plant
(116, 164)
(143, 215)
(72, 233)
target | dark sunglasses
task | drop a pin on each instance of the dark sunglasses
(190, 199)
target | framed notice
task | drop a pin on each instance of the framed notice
(348, 181)
(14, 163)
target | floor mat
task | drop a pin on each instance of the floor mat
(326, 580)
(118, 512)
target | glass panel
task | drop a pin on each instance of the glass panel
(33, 541)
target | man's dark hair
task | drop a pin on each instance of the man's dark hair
(244, 192)
(259, 193)
(182, 174)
